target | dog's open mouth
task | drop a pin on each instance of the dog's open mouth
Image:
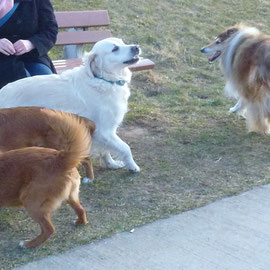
(214, 56)
(133, 60)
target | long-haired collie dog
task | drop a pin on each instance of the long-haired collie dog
(245, 60)
(30, 126)
(40, 179)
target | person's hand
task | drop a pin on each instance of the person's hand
(6, 47)
(23, 46)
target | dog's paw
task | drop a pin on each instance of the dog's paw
(80, 222)
(239, 111)
(23, 244)
(116, 164)
(134, 168)
(237, 107)
(234, 109)
(87, 180)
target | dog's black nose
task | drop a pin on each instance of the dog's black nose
(135, 49)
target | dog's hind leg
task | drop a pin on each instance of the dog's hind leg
(74, 201)
(46, 226)
(89, 172)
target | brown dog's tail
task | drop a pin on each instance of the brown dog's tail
(75, 134)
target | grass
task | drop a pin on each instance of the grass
(190, 149)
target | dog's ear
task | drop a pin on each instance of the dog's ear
(88, 59)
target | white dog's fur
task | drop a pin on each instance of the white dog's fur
(92, 91)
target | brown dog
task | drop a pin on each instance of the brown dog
(40, 179)
(28, 126)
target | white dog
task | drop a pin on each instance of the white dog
(98, 90)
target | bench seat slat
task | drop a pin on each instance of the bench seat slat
(62, 65)
(81, 37)
(144, 64)
(87, 18)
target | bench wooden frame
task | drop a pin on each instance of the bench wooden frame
(79, 22)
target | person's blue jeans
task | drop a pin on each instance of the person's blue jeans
(33, 69)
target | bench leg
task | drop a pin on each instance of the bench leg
(73, 51)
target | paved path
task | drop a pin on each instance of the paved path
(232, 234)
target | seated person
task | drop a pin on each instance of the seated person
(28, 30)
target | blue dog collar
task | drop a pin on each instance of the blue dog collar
(120, 82)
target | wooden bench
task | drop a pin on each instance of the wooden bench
(77, 23)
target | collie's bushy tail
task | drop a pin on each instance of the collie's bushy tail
(75, 134)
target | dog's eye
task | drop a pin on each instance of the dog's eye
(116, 48)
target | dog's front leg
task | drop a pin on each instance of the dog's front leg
(236, 107)
(110, 163)
(239, 108)
(122, 150)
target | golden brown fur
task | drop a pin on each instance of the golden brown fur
(40, 179)
(29, 126)
(245, 59)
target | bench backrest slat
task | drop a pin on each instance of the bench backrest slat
(88, 18)
(81, 37)
(81, 21)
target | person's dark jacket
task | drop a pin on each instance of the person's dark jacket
(33, 20)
